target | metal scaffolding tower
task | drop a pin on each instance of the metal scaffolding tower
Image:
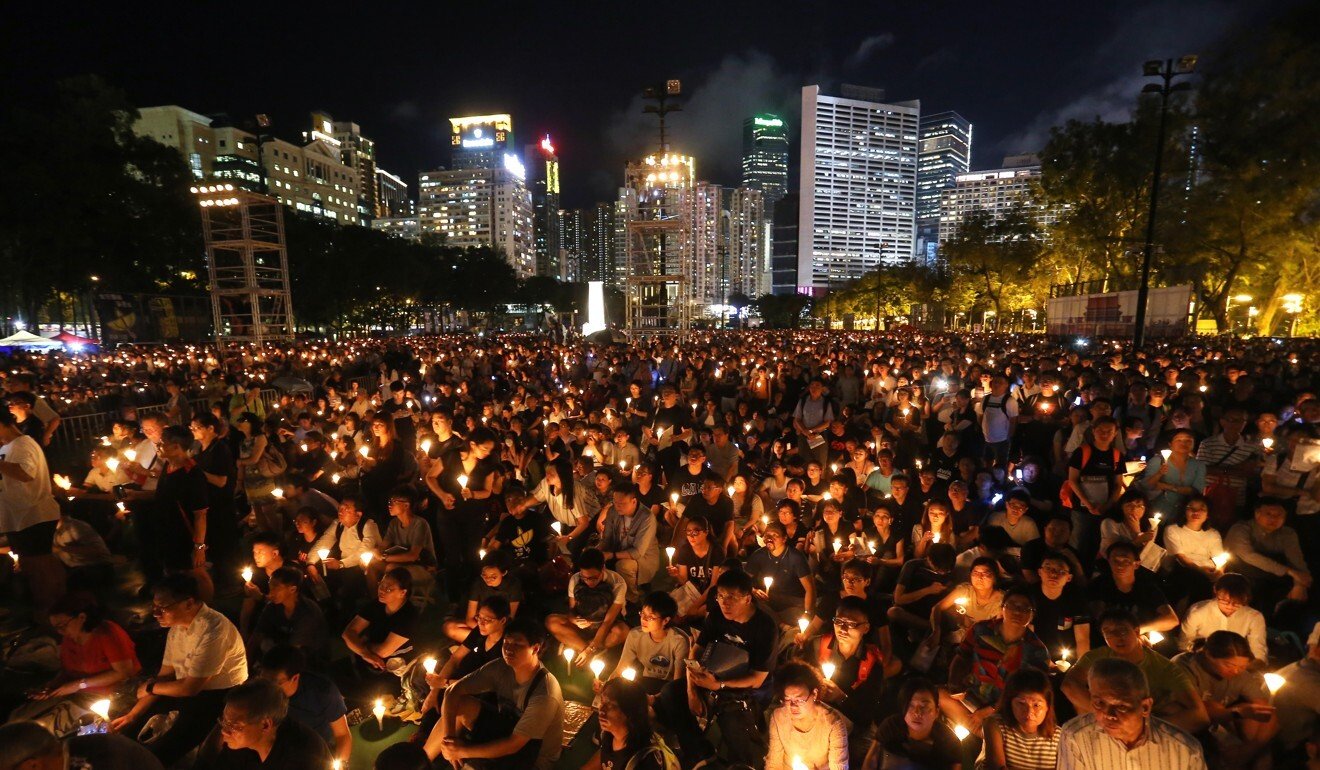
(247, 265)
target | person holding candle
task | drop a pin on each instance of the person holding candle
(352, 535)
(693, 568)
(495, 580)
(1023, 734)
(921, 584)
(1227, 611)
(1130, 522)
(1174, 695)
(1298, 702)
(915, 738)
(860, 666)
(748, 508)
(1170, 482)
(655, 648)
(408, 541)
(714, 505)
(565, 499)
(266, 558)
(216, 460)
(793, 589)
(936, 527)
(991, 651)
(482, 645)
(388, 463)
(260, 466)
(1120, 727)
(314, 700)
(255, 725)
(967, 603)
(887, 546)
(1242, 721)
(804, 732)
(288, 617)
(1131, 587)
(1193, 547)
(831, 544)
(596, 599)
(626, 737)
(727, 672)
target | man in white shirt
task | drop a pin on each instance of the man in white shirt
(204, 658)
(29, 514)
(344, 543)
(1121, 733)
(998, 412)
(1228, 611)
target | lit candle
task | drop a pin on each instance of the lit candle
(130, 455)
(871, 544)
(426, 446)
(1274, 681)
(838, 544)
(673, 498)
(597, 667)
(365, 451)
(462, 480)
(1267, 442)
(834, 467)
(827, 668)
(798, 764)
(247, 574)
(101, 708)
(366, 558)
(429, 665)
(277, 493)
(303, 447)
(765, 521)
(337, 764)
(1165, 454)
(569, 654)
(961, 732)
(769, 581)
(379, 711)
(803, 623)
(481, 554)
(557, 527)
(63, 482)
(623, 465)
(731, 490)
(112, 463)
(334, 478)
(629, 673)
(935, 538)
(1220, 560)
(669, 551)
(323, 553)
(1155, 637)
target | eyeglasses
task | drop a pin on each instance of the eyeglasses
(227, 726)
(802, 701)
(486, 619)
(848, 625)
(852, 579)
(157, 608)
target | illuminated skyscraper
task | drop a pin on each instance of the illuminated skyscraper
(858, 185)
(480, 141)
(543, 183)
(765, 157)
(944, 152)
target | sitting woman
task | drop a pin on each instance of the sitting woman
(482, 645)
(915, 737)
(626, 737)
(803, 732)
(495, 581)
(1023, 734)
(383, 630)
(96, 656)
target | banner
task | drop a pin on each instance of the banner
(1113, 314)
(134, 318)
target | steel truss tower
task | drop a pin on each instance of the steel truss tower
(247, 265)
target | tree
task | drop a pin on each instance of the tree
(1000, 260)
(781, 311)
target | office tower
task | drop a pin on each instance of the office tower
(392, 198)
(310, 178)
(765, 157)
(784, 246)
(858, 185)
(543, 184)
(996, 191)
(603, 244)
(355, 151)
(574, 231)
(747, 261)
(944, 151)
(480, 141)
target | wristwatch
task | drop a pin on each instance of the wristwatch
(82, 684)
(199, 546)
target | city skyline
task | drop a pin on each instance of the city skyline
(998, 67)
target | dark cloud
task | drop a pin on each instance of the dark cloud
(870, 47)
(404, 111)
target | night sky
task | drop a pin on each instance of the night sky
(574, 69)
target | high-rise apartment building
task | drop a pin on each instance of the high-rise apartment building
(747, 260)
(392, 198)
(944, 151)
(784, 246)
(543, 183)
(858, 185)
(311, 178)
(355, 151)
(996, 191)
(477, 203)
(765, 157)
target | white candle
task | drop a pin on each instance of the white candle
(1274, 681)
(426, 445)
(769, 581)
(481, 554)
(463, 480)
(429, 665)
(334, 478)
(827, 668)
(247, 574)
(935, 538)
(1267, 442)
(569, 654)
(113, 464)
(803, 624)
(379, 711)
(557, 527)
(323, 553)
(732, 491)
(961, 732)
(1165, 454)
(629, 673)
(669, 551)
(366, 558)
(1155, 637)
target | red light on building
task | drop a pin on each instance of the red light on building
(547, 146)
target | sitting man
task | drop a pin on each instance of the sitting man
(1175, 697)
(1242, 721)
(255, 721)
(991, 652)
(628, 539)
(1228, 611)
(314, 700)
(922, 583)
(726, 677)
(204, 658)
(1270, 556)
(267, 556)
(1118, 729)
(596, 598)
(507, 714)
(289, 617)
(655, 650)
(1131, 587)
(344, 543)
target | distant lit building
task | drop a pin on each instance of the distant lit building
(996, 191)
(858, 185)
(392, 197)
(573, 232)
(355, 151)
(543, 183)
(765, 157)
(480, 141)
(944, 151)
(784, 246)
(309, 178)
(748, 251)
(400, 227)
(472, 207)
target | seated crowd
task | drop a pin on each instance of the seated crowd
(799, 551)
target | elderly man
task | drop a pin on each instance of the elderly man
(204, 658)
(1119, 732)
(255, 732)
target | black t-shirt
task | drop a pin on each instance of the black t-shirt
(941, 751)
(477, 654)
(861, 694)
(686, 483)
(317, 704)
(719, 515)
(296, 747)
(1055, 618)
(525, 537)
(916, 575)
(179, 493)
(1034, 552)
(618, 760)
(698, 567)
(731, 649)
(675, 418)
(218, 460)
(306, 629)
(381, 624)
(1142, 601)
(905, 514)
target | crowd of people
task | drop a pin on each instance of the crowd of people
(804, 550)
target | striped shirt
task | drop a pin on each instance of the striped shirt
(1028, 752)
(1083, 745)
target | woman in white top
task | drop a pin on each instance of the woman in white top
(1192, 547)
(1131, 523)
(805, 733)
(1023, 735)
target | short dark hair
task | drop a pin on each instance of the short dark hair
(853, 605)
(178, 587)
(941, 556)
(1118, 615)
(402, 576)
(260, 699)
(284, 659)
(497, 604)
(176, 435)
(267, 538)
(288, 575)
(1227, 644)
(913, 686)
(735, 580)
(662, 604)
(796, 674)
(591, 558)
(1235, 585)
(527, 628)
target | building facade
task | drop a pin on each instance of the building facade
(996, 191)
(355, 151)
(858, 185)
(748, 251)
(392, 197)
(765, 157)
(399, 227)
(543, 183)
(944, 151)
(784, 246)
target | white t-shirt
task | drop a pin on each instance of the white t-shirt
(1201, 547)
(209, 646)
(1204, 618)
(997, 415)
(25, 504)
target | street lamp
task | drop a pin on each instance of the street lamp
(1166, 70)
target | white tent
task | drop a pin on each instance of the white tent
(30, 341)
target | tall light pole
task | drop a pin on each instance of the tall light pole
(1166, 70)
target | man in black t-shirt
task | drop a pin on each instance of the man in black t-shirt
(1131, 587)
(726, 678)
(686, 480)
(181, 504)
(921, 585)
(256, 717)
(1056, 537)
(668, 426)
(1061, 619)
(716, 507)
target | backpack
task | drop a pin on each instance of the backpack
(657, 749)
(1065, 492)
